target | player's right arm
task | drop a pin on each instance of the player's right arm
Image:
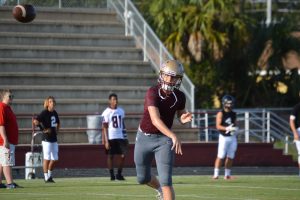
(39, 124)
(105, 135)
(160, 125)
(2, 129)
(219, 122)
(4, 137)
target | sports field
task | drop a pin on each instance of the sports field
(187, 188)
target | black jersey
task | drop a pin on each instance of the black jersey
(228, 118)
(296, 114)
(50, 120)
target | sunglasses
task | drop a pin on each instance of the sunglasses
(11, 96)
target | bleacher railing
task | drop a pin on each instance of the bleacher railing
(260, 125)
(146, 39)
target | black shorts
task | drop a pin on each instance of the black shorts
(117, 146)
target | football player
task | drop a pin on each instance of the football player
(226, 125)
(154, 136)
(114, 136)
(49, 123)
(295, 127)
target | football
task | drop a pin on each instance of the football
(24, 13)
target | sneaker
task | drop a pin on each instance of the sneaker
(228, 178)
(159, 196)
(16, 185)
(215, 177)
(50, 180)
(11, 186)
(119, 177)
(2, 185)
(112, 177)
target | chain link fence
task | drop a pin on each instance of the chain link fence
(58, 3)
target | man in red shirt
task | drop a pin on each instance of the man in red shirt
(8, 138)
(155, 139)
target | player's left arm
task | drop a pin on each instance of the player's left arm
(57, 127)
(293, 127)
(184, 116)
(57, 123)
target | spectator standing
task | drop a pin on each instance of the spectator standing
(49, 123)
(114, 136)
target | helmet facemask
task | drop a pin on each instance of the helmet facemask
(169, 86)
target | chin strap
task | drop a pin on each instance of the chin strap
(161, 96)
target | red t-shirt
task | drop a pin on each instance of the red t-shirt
(167, 108)
(9, 121)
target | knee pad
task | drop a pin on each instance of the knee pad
(143, 179)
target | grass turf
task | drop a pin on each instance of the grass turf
(186, 187)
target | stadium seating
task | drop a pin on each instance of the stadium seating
(78, 56)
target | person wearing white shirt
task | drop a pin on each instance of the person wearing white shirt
(114, 136)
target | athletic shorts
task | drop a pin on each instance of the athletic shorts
(227, 146)
(150, 146)
(7, 157)
(50, 150)
(117, 147)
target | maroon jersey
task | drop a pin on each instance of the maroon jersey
(167, 108)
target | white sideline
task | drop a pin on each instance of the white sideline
(127, 195)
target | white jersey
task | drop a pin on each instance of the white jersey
(115, 120)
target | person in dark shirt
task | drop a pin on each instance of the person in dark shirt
(295, 127)
(155, 137)
(226, 125)
(48, 122)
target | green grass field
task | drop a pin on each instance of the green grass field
(186, 187)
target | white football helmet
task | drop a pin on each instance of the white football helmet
(171, 68)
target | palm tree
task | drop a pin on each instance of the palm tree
(198, 33)
(222, 48)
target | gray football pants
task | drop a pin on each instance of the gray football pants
(148, 146)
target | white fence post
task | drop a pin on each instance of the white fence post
(268, 127)
(269, 12)
(126, 17)
(145, 42)
(246, 127)
(160, 55)
(263, 131)
(130, 15)
(286, 146)
(206, 127)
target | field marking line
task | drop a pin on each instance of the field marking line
(124, 195)
(249, 187)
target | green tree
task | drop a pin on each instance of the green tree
(264, 91)
(199, 33)
(222, 47)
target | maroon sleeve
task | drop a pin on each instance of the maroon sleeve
(151, 98)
